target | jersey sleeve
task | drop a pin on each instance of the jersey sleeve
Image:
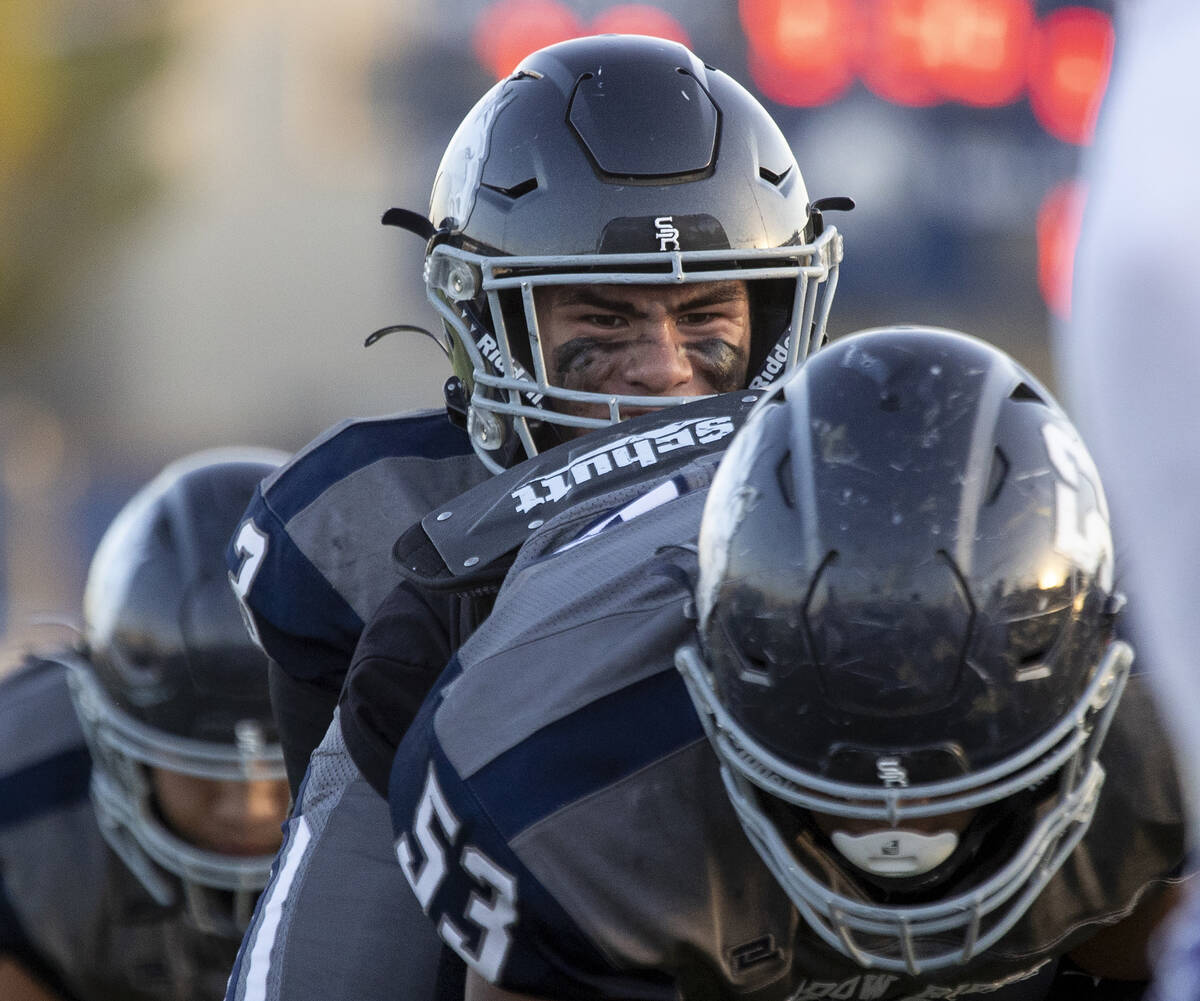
(291, 609)
(45, 769)
(311, 559)
(485, 904)
(299, 620)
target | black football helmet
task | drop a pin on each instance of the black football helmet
(905, 656)
(169, 678)
(612, 159)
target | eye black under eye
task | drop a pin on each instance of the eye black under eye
(715, 349)
(579, 351)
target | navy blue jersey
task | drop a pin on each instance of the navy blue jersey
(560, 816)
(311, 559)
(337, 867)
(70, 911)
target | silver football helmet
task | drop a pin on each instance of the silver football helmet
(612, 159)
(169, 679)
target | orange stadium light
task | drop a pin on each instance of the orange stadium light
(1058, 221)
(507, 31)
(801, 52)
(639, 19)
(897, 47)
(976, 51)
(1068, 73)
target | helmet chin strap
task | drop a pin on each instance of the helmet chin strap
(895, 852)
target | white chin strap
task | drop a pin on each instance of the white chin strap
(895, 852)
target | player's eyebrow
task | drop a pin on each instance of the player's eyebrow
(596, 296)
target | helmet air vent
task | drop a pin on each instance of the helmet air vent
(772, 178)
(514, 191)
(1025, 393)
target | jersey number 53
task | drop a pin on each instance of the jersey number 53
(435, 830)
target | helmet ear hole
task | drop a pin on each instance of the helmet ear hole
(455, 394)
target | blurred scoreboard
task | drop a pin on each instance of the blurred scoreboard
(956, 125)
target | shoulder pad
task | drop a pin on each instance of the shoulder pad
(357, 442)
(473, 539)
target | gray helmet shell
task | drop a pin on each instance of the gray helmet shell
(614, 159)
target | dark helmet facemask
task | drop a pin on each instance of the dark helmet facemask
(217, 891)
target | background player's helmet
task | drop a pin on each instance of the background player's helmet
(169, 678)
(905, 606)
(613, 159)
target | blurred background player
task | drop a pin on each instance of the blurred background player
(883, 745)
(1128, 357)
(657, 243)
(142, 889)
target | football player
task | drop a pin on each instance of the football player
(656, 243)
(614, 228)
(143, 889)
(870, 737)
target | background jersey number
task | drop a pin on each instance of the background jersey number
(251, 546)
(493, 914)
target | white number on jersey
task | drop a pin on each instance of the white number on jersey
(251, 545)
(493, 914)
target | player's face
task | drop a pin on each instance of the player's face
(645, 340)
(233, 818)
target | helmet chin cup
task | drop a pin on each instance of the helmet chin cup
(895, 852)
